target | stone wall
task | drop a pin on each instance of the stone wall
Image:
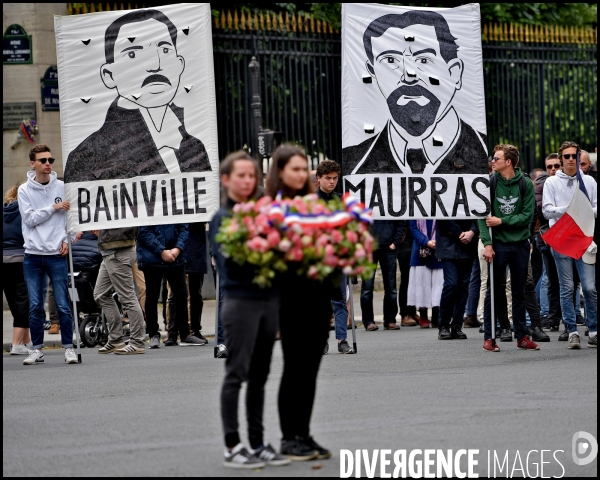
(21, 83)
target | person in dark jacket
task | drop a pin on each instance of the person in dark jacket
(117, 247)
(161, 251)
(250, 316)
(456, 247)
(389, 235)
(328, 174)
(13, 281)
(86, 257)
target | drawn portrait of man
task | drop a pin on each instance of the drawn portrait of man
(144, 131)
(413, 58)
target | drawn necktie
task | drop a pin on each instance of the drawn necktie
(416, 159)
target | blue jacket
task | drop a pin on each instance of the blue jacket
(421, 240)
(85, 253)
(12, 234)
(154, 239)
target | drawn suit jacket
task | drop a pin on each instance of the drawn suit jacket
(467, 156)
(123, 148)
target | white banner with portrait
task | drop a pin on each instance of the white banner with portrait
(413, 111)
(138, 116)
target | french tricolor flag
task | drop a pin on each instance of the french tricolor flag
(573, 233)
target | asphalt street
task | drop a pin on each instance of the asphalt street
(157, 414)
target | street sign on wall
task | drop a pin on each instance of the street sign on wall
(49, 86)
(16, 46)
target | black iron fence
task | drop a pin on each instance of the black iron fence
(540, 83)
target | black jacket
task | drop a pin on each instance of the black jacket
(123, 148)
(154, 239)
(327, 196)
(467, 156)
(196, 249)
(447, 244)
(235, 279)
(85, 253)
(387, 232)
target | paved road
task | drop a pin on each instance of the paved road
(157, 414)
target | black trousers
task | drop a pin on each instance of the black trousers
(304, 326)
(15, 290)
(531, 302)
(175, 275)
(251, 325)
(195, 282)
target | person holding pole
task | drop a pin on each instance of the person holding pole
(250, 315)
(44, 220)
(505, 236)
(328, 174)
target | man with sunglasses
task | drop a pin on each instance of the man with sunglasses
(510, 220)
(559, 191)
(44, 213)
(554, 311)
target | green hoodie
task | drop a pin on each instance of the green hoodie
(516, 213)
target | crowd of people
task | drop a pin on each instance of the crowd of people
(447, 267)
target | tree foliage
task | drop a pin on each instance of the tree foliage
(530, 13)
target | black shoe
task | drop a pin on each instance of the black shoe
(297, 450)
(587, 332)
(322, 453)
(170, 342)
(199, 335)
(445, 334)
(344, 348)
(506, 335)
(580, 320)
(538, 335)
(564, 336)
(458, 334)
(481, 329)
(326, 349)
(546, 322)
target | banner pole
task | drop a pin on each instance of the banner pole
(217, 294)
(74, 299)
(492, 308)
(349, 283)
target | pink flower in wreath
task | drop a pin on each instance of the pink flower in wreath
(285, 245)
(352, 236)
(274, 238)
(337, 237)
(322, 240)
(313, 271)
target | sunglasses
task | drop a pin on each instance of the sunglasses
(495, 159)
(568, 156)
(556, 165)
(43, 160)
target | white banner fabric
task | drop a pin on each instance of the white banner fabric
(413, 110)
(138, 116)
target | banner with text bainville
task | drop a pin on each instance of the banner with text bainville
(138, 116)
(413, 111)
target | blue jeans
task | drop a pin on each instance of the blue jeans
(35, 268)
(587, 276)
(457, 276)
(516, 257)
(387, 260)
(340, 312)
(474, 289)
(544, 309)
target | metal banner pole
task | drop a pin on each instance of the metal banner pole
(217, 294)
(349, 283)
(493, 309)
(74, 298)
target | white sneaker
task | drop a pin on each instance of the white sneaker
(19, 349)
(35, 356)
(70, 355)
(240, 457)
(221, 351)
(270, 456)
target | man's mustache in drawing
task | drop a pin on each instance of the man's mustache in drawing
(155, 79)
(411, 116)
